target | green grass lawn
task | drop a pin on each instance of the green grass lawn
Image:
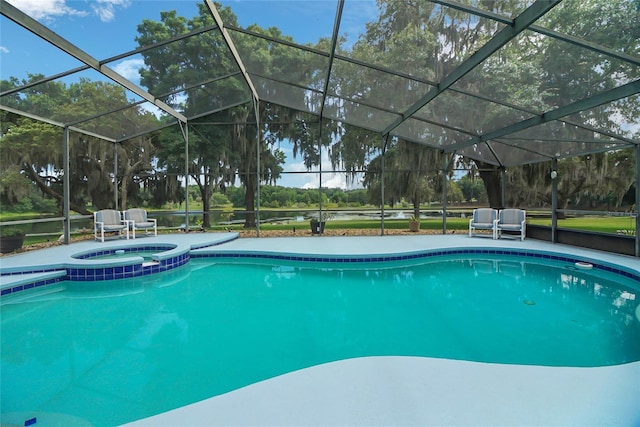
(395, 224)
(601, 224)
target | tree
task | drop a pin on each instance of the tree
(472, 189)
(422, 39)
(533, 72)
(219, 153)
(582, 181)
(543, 73)
(409, 174)
(35, 148)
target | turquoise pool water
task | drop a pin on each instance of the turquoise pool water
(145, 254)
(117, 351)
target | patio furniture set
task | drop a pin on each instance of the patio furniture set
(510, 220)
(122, 224)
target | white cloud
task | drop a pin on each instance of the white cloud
(46, 9)
(4, 49)
(329, 179)
(129, 68)
(151, 108)
(106, 9)
(298, 175)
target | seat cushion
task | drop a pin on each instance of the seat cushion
(483, 225)
(511, 217)
(512, 227)
(108, 217)
(109, 227)
(147, 224)
(484, 216)
(136, 215)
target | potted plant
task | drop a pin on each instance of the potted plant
(11, 239)
(414, 223)
(317, 224)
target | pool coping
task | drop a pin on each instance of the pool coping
(423, 391)
(578, 262)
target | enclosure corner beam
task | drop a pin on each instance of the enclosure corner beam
(554, 200)
(66, 186)
(637, 200)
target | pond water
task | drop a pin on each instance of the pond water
(177, 219)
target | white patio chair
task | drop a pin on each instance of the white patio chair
(483, 219)
(137, 220)
(108, 221)
(512, 220)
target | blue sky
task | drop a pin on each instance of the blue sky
(105, 28)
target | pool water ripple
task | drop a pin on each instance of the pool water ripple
(154, 343)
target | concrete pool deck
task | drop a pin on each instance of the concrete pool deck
(398, 390)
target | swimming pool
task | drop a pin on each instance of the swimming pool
(159, 342)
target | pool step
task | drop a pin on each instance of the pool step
(19, 282)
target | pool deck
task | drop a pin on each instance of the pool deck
(398, 390)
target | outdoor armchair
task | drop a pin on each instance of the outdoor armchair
(512, 220)
(108, 221)
(483, 219)
(137, 220)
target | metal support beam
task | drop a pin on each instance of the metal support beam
(619, 92)
(554, 200)
(66, 186)
(542, 30)
(332, 54)
(638, 200)
(185, 135)
(54, 123)
(45, 33)
(232, 47)
(256, 107)
(445, 167)
(385, 141)
(115, 176)
(320, 174)
(503, 187)
(526, 18)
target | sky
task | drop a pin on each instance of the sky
(105, 28)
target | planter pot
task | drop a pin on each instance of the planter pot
(317, 227)
(11, 243)
(414, 226)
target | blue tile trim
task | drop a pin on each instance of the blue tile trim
(32, 285)
(127, 271)
(420, 255)
(91, 274)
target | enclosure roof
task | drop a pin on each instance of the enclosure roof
(513, 84)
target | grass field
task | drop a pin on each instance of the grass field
(602, 224)
(605, 224)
